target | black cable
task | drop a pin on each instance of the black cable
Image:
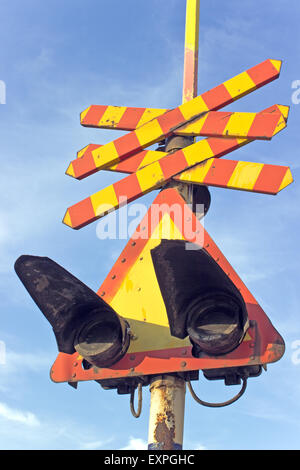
(218, 405)
(137, 413)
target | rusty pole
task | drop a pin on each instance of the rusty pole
(166, 413)
(168, 391)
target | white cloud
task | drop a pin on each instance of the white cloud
(18, 365)
(29, 211)
(94, 445)
(31, 361)
(274, 415)
(35, 362)
(36, 65)
(135, 443)
(200, 447)
(46, 431)
(24, 417)
(55, 432)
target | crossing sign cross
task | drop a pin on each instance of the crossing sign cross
(149, 169)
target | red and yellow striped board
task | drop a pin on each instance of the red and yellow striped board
(93, 160)
(231, 174)
(150, 177)
(245, 176)
(262, 125)
(123, 118)
(144, 180)
(248, 176)
(232, 124)
(212, 124)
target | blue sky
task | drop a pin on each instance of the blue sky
(57, 58)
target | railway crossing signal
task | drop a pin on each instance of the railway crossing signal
(156, 344)
(171, 278)
(172, 303)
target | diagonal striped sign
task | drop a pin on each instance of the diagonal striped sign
(123, 118)
(151, 177)
(93, 160)
(144, 180)
(247, 176)
(244, 176)
(215, 124)
(145, 157)
(226, 124)
(212, 124)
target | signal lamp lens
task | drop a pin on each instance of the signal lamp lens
(201, 301)
(102, 342)
(214, 324)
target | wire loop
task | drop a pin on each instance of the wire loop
(137, 413)
(218, 405)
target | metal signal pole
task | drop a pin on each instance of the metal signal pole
(168, 391)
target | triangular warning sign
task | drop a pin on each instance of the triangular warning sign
(131, 288)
